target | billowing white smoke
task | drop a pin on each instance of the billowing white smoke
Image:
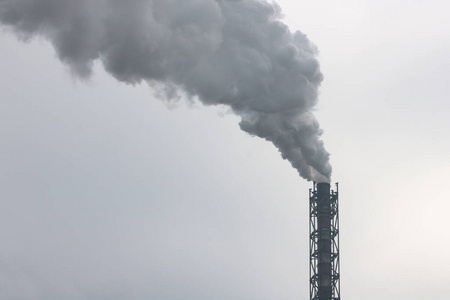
(236, 53)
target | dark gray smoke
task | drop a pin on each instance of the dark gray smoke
(236, 53)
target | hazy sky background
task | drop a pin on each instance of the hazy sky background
(108, 193)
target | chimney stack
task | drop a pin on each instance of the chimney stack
(324, 243)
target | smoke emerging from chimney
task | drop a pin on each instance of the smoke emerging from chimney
(234, 53)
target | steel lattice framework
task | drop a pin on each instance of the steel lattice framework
(324, 242)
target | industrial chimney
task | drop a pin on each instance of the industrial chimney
(324, 242)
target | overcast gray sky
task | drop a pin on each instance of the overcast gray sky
(109, 193)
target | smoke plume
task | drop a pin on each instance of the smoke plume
(234, 53)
